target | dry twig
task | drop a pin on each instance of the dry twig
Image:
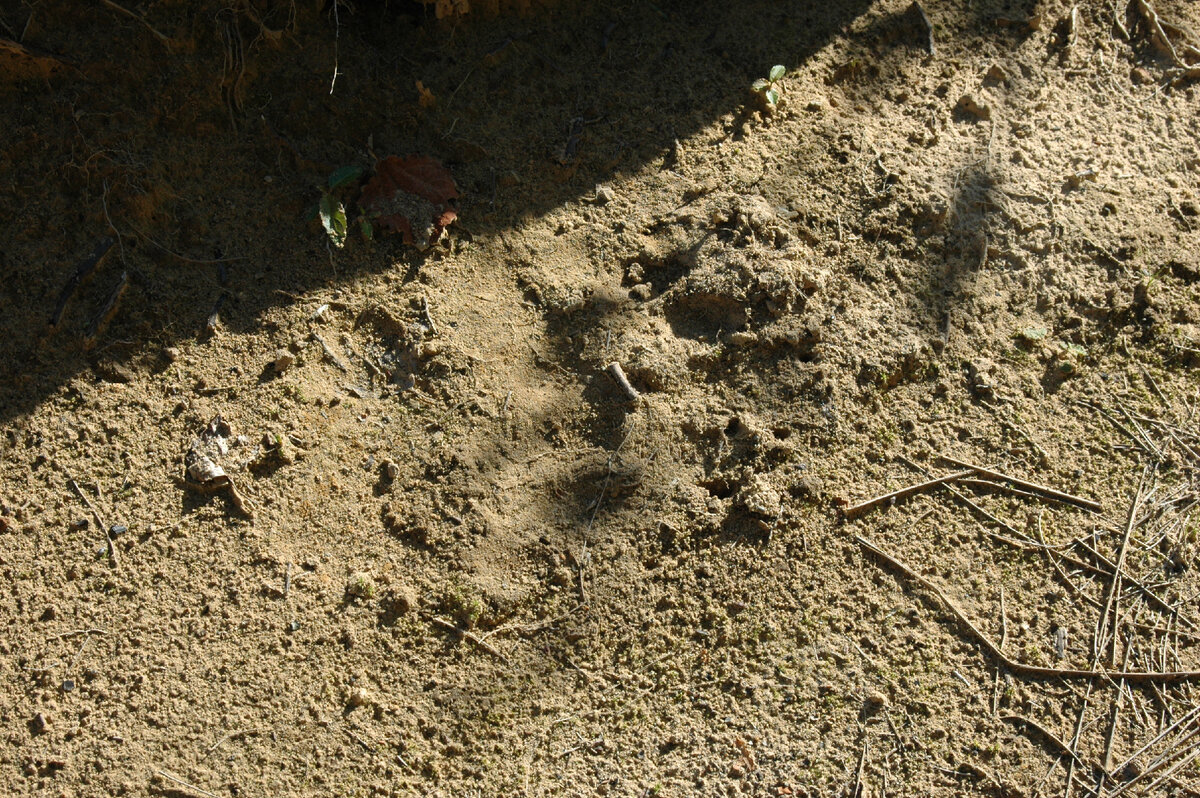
(1032, 671)
(1042, 490)
(467, 635)
(862, 507)
(166, 40)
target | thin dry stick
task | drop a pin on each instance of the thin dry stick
(860, 788)
(861, 507)
(1159, 37)
(1149, 444)
(1110, 600)
(618, 376)
(1032, 671)
(82, 270)
(1161, 762)
(962, 497)
(77, 632)
(185, 785)
(112, 549)
(1003, 621)
(1058, 569)
(1109, 418)
(1177, 724)
(1075, 740)
(1116, 714)
(164, 39)
(107, 312)
(1187, 760)
(185, 258)
(1045, 492)
(1151, 597)
(987, 484)
(483, 644)
(1050, 736)
(1022, 541)
(425, 312)
(233, 735)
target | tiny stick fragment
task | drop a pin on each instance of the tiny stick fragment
(927, 24)
(485, 645)
(112, 548)
(169, 777)
(329, 353)
(107, 312)
(1049, 493)
(82, 270)
(618, 376)
(428, 315)
(212, 323)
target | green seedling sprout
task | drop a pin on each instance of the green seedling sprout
(332, 211)
(768, 88)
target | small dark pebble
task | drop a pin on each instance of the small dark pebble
(294, 626)
(68, 685)
(116, 530)
(81, 523)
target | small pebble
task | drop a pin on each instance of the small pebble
(283, 361)
(294, 626)
(641, 292)
(604, 195)
(973, 106)
(116, 530)
(875, 700)
(742, 338)
(79, 523)
(68, 685)
(38, 724)
(996, 74)
(171, 353)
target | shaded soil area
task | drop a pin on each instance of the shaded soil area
(280, 517)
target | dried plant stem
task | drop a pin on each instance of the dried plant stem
(1114, 587)
(166, 40)
(1042, 490)
(1032, 671)
(862, 507)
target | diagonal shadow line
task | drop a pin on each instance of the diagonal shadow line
(648, 75)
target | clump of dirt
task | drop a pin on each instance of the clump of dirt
(647, 477)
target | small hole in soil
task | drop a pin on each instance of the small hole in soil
(717, 488)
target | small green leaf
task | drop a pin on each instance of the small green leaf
(333, 217)
(368, 231)
(777, 73)
(343, 176)
(760, 85)
(772, 96)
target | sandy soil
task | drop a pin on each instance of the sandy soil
(458, 558)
